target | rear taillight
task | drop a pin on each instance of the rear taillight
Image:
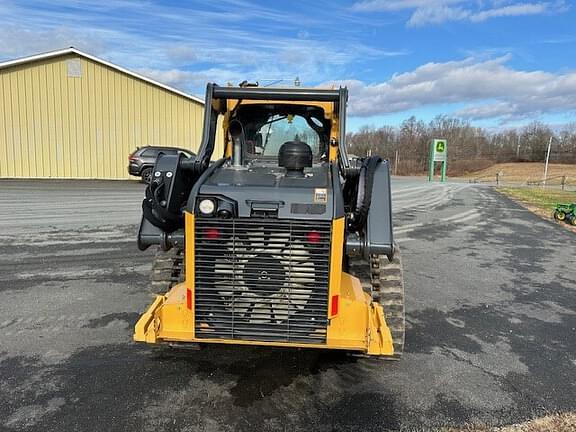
(313, 237)
(335, 301)
(131, 157)
(212, 233)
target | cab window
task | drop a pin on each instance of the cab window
(280, 129)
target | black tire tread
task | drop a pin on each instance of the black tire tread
(168, 269)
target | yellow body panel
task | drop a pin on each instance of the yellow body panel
(358, 325)
(61, 125)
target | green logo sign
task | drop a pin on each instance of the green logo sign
(438, 153)
(438, 150)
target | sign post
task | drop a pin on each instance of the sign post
(438, 153)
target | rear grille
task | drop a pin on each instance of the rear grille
(262, 279)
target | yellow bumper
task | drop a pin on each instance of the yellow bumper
(359, 324)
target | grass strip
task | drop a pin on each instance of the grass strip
(540, 200)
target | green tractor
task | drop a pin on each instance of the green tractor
(565, 212)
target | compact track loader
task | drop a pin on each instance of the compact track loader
(280, 241)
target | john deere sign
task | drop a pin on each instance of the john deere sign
(438, 153)
(439, 150)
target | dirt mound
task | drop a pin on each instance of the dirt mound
(527, 171)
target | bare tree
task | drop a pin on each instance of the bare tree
(470, 148)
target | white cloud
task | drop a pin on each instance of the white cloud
(440, 11)
(17, 41)
(512, 10)
(489, 110)
(181, 48)
(230, 39)
(489, 87)
(187, 80)
(396, 5)
(437, 15)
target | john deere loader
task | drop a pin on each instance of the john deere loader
(281, 241)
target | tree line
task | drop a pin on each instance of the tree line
(470, 148)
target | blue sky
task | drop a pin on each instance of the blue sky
(496, 63)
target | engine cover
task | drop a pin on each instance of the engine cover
(266, 192)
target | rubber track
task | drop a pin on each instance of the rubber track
(167, 270)
(388, 290)
(385, 282)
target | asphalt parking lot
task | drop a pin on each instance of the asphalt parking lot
(491, 315)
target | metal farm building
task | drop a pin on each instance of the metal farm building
(67, 114)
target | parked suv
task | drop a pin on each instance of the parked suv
(141, 161)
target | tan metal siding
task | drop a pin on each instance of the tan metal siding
(55, 125)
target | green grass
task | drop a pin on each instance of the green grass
(543, 199)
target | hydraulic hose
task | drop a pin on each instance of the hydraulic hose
(153, 208)
(364, 193)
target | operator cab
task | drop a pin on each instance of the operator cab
(275, 157)
(267, 127)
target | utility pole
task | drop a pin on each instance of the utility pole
(518, 149)
(396, 164)
(547, 159)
